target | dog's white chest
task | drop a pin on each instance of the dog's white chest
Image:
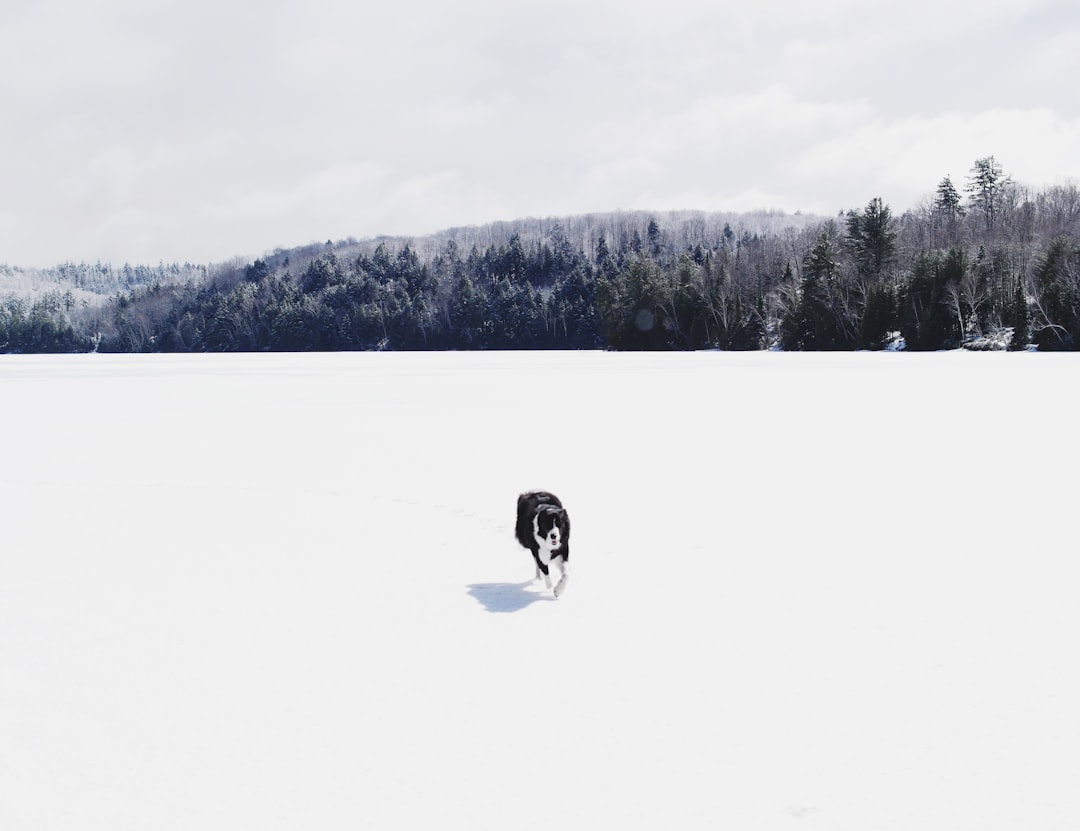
(546, 552)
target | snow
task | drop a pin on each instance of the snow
(281, 591)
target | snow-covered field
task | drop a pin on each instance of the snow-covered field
(282, 592)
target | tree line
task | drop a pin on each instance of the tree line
(989, 264)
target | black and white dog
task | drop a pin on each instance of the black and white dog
(543, 527)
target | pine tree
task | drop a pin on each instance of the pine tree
(1021, 320)
(1057, 285)
(987, 184)
(603, 254)
(817, 322)
(514, 260)
(925, 320)
(948, 210)
(653, 234)
(878, 317)
(872, 238)
(947, 201)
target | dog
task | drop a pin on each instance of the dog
(543, 527)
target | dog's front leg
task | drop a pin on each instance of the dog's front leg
(564, 566)
(543, 568)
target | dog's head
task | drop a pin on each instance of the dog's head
(550, 526)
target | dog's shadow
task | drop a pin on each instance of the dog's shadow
(509, 597)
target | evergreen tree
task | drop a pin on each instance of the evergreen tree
(322, 272)
(605, 263)
(925, 320)
(954, 268)
(575, 304)
(514, 266)
(653, 234)
(1020, 318)
(629, 305)
(987, 185)
(468, 314)
(872, 238)
(1057, 285)
(257, 271)
(746, 330)
(948, 210)
(564, 258)
(878, 317)
(818, 320)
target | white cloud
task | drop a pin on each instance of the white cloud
(202, 128)
(628, 179)
(906, 158)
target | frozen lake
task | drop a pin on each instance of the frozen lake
(281, 591)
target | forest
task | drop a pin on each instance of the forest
(988, 263)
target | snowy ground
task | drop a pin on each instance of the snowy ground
(281, 592)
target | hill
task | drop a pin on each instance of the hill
(1001, 268)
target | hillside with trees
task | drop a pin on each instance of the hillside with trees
(988, 263)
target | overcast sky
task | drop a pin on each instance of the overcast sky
(197, 131)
